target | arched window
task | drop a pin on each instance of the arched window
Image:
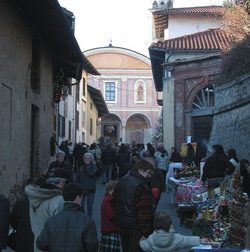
(204, 98)
(140, 92)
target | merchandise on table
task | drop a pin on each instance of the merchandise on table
(220, 211)
(185, 189)
(237, 231)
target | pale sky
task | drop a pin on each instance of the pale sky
(126, 22)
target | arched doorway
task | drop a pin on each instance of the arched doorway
(111, 127)
(137, 129)
(202, 119)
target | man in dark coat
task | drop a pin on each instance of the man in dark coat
(62, 166)
(4, 221)
(133, 205)
(108, 160)
(70, 230)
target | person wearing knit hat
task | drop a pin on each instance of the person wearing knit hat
(60, 168)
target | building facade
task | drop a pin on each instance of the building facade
(169, 22)
(128, 89)
(187, 81)
(30, 60)
(185, 69)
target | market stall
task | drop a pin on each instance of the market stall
(215, 214)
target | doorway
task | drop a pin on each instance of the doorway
(202, 126)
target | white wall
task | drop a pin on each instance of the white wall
(67, 109)
(183, 25)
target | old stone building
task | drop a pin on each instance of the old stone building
(185, 57)
(128, 89)
(187, 80)
(35, 42)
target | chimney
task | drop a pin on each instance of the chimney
(170, 4)
(165, 4)
(155, 5)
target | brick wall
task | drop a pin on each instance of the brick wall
(189, 79)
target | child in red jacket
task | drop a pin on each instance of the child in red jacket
(110, 241)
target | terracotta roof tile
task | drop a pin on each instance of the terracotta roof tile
(190, 10)
(213, 39)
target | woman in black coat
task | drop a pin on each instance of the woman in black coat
(190, 158)
(86, 178)
(216, 167)
(20, 221)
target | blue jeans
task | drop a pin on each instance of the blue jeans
(90, 202)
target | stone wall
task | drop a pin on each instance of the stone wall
(231, 124)
(17, 99)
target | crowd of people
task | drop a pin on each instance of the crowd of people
(54, 211)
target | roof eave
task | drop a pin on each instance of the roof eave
(55, 31)
(99, 101)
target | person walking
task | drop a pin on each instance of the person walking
(86, 178)
(95, 150)
(162, 160)
(108, 160)
(123, 160)
(157, 183)
(110, 241)
(4, 221)
(133, 205)
(150, 150)
(71, 229)
(45, 200)
(216, 167)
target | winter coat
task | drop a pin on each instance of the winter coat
(157, 180)
(123, 158)
(64, 169)
(161, 160)
(123, 162)
(108, 156)
(162, 241)
(20, 221)
(216, 166)
(107, 224)
(4, 221)
(86, 178)
(44, 203)
(70, 230)
(133, 203)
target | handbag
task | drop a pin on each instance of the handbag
(11, 243)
